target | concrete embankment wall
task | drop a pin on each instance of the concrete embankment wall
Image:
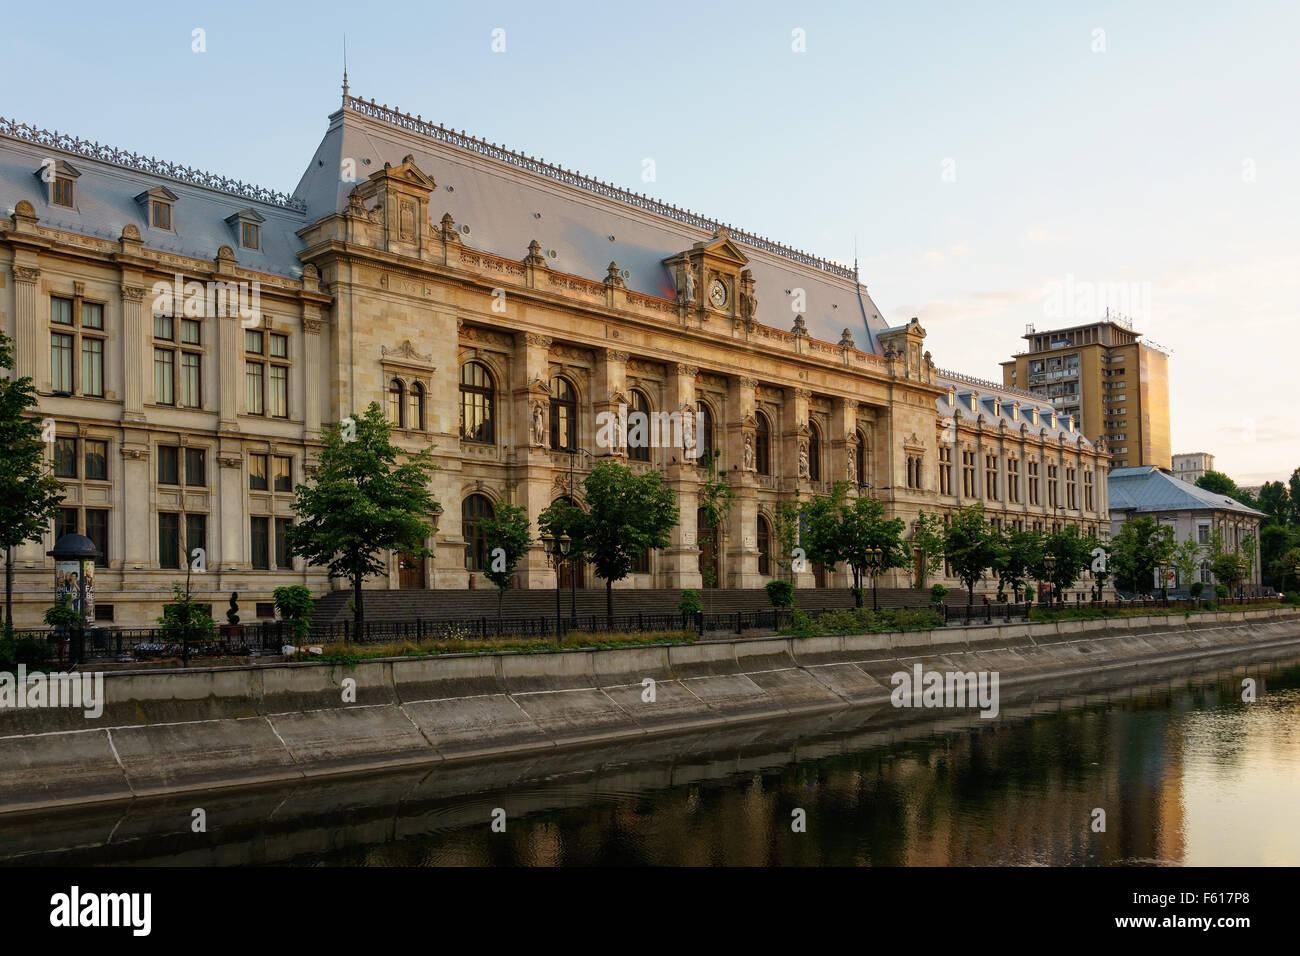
(172, 731)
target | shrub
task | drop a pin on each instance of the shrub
(294, 604)
(63, 614)
(690, 602)
(1211, 605)
(232, 614)
(937, 593)
(1291, 597)
(29, 650)
(1197, 589)
(185, 617)
(780, 593)
(1221, 591)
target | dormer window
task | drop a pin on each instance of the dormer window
(1054, 425)
(1015, 411)
(157, 203)
(997, 406)
(1033, 412)
(974, 402)
(952, 398)
(58, 177)
(247, 227)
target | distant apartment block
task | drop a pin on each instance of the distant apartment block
(1115, 385)
(1193, 465)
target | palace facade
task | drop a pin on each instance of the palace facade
(191, 336)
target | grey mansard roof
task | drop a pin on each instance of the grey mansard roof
(985, 394)
(497, 193)
(1150, 488)
(109, 180)
(494, 191)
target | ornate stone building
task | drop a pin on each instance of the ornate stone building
(494, 304)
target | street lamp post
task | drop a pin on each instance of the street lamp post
(875, 558)
(1164, 583)
(573, 577)
(1049, 562)
(557, 549)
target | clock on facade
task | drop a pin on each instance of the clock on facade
(718, 293)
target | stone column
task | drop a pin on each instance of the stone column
(608, 392)
(794, 439)
(31, 360)
(529, 373)
(230, 337)
(136, 515)
(313, 369)
(680, 563)
(742, 523)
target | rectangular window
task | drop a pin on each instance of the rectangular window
(92, 366)
(191, 380)
(261, 553)
(92, 315)
(248, 235)
(65, 522)
(945, 471)
(62, 191)
(1053, 491)
(282, 557)
(257, 472)
(195, 471)
(163, 382)
(253, 341)
(196, 534)
(279, 346)
(169, 547)
(97, 532)
(991, 477)
(96, 459)
(1013, 480)
(103, 612)
(61, 362)
(253, 380)
(279, 397)
(1034, 488)
(60, 310)
(162, 215)
(164, 327)
(283, 473)
(1203, 534)
(168, 465)
(191, 331)
(65, 458)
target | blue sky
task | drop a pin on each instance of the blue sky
(972, 157)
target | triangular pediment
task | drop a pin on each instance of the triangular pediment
(723, 247)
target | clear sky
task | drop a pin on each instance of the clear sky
(972, 157)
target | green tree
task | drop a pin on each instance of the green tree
(1072, 555)
(1019, 553)
(363, 501)
(507, 538)
(1141, 546)
(1294, 485)
(1249, 548)
(627, 515)
(1186, 560)
(1221, 484)
(1229, 569)
(927, 541)
(1275, 502)
(1289, 567)
(29, 494)
(294, 604)
(786, 526)
(850, 531)
(971, 546)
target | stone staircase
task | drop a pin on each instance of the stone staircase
(445, 605)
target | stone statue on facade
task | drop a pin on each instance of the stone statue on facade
(688, 433)
(853, 466)
(803, 462)
(539, 425)
(687, 291)
(749, 452)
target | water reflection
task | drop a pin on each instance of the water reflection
(1185, 772)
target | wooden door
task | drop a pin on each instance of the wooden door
(410, 572)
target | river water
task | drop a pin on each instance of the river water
(1184, 770)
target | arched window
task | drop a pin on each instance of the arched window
(564, 415)
(472, 512)
(762, 446)
(861, 456)
(415, 407)
(814, 452)
(477, 404)
(764, 546)
(396, 403)
(705, 434)
(638, 428)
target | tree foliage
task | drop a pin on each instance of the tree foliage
(507, 538)
(366, 497)
(1072, 552)
(29, 494)
(971, 546)
(839, 529)
(1019, 554)
(1141, 546)
(927, 541)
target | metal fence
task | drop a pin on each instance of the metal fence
(1003, 611)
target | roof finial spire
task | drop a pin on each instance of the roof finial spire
(345, 68)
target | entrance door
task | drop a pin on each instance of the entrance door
(573, 574)
(819, 574)
(410, 572)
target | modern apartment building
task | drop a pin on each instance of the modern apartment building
(1114, 384)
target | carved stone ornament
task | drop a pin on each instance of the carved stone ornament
(800, 327)
(28, 274)
(407, 351)
(846, 340)
(852, 468)
(613, 277)
(534, 257)
(448, 224)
